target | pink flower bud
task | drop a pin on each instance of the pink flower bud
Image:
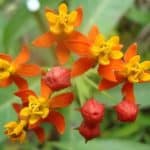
(58, 78)
(126, 111)
(89, 132)
(92, 111)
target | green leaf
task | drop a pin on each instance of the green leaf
(139, 15)
(104, 13)
(19, 24)
(111, 144)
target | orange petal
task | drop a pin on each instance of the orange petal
(62, 53)
(62, 100)
(109, 71)
(93, 33)
(45, 40)
(128, 91)
(78, 43)
(82, 65)
(39, 133)
(17, 107)
(45, 90)
(23, 56)
(6, 57)
(57, 120)
(28, 70)
(106, 85)
(20, 82)
(79, 16)
(131, 51)
(6, 82)
(24, 94)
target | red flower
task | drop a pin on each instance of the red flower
(38, 109)
(127, 109)
(62, 33)
(58, 78)
(14, 70)
(89, 132)
(92, 111)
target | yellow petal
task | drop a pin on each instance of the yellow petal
(133, 79)
(33, 119)
(116, 54)
(63, 8)
(113, 40)
(11, 124)
(68, 29)
(145, 77)
(104, 60)
(99, 40)
(55, 29)
(51, 17)
(45, 112)
(25, 112)
(72, 17)
(145, 65)
(136, 59)
(4, 75)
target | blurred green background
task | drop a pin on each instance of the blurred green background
(130, 19)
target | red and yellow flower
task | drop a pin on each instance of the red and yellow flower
(62, 32)
(102, 52)
(38, 109)
(131, 70)
(14, 70)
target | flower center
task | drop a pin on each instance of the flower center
(6, 69)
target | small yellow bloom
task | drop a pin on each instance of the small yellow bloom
(16, 130)
(106, 50)
(63, 22)
(6, 69)
(37, 109)
(136, 71)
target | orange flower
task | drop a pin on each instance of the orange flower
(131, 70)
(106, 53)
(14, 70)
(62, 25)
(37, 109)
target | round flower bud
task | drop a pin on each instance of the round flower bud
(126, 111)
(89, 132)
(58, 78)
(93, 111)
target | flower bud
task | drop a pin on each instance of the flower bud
(58, 78)
(126, 111)
(89, 132)
(92, 111)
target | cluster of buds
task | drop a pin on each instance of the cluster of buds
(92, 112)
(93, 50)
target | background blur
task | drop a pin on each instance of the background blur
(130, 19)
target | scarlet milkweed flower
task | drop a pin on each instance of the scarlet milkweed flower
(127, 110)
(13, 70)
(38, 109)
(15, 130)
(131, 70)
(102, 51)
(62, 26)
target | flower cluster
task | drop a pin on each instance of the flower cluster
(94, 51)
